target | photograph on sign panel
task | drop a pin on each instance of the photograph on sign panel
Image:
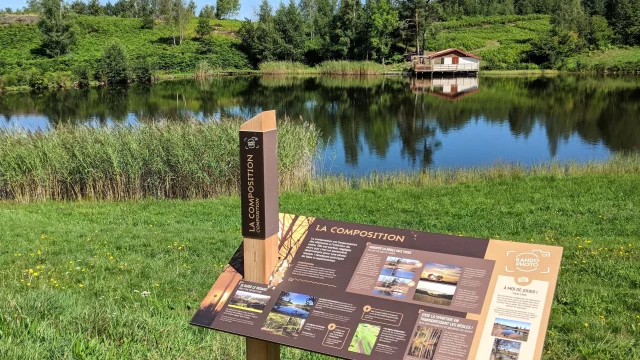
(392, 286)
(243, 300)
(294, 304)
(400, 267)
(511, 329)
(505, 350)
(364, 338)
(424, 342)
(437, 284)
(283, 325)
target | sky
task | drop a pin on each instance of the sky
(247, 7)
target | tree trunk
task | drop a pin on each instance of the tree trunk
(417, 35)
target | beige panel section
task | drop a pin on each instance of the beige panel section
(513, 260)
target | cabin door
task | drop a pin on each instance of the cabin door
(455, 60)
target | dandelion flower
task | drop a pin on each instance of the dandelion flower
(80, 285)
(586, 324)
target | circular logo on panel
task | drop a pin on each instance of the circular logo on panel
(527, 262)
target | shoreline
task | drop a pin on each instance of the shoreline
(314, 184)
(390, 73)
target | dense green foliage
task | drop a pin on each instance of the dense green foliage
(313, 31)
(19, 59)
(164, 35)
(149, 161)
(204, 27)
(55, 26)
(113, 68)
(75, 273)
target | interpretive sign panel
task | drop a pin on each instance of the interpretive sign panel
(368, 292)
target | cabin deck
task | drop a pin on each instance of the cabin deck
(452, 68)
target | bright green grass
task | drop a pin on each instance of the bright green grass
(623, 59)
(175, 250)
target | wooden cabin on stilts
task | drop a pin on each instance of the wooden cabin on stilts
(446, 62)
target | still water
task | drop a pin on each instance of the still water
(383, 123)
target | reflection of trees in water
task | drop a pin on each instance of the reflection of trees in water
(369, 114)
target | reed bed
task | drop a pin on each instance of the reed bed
(205, 70)
(198, 160)
(183, 160)
(351, 68)
(284, 67)
(325, 68)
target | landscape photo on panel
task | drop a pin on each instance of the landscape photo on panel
(424, 342)
(364, 338)
(289, 313)
(243, 300)
(400, 267)
(437, 283)
(511, 329)
(505, 350)
(392, 286)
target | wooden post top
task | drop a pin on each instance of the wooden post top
(265, 121)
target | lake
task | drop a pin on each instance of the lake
(397, 272)
(382, 123)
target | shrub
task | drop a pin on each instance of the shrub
(115, 66)
(81, 74)
(9, 80)
(143, 71)
(36, 80)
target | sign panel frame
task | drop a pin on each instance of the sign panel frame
(367, 292)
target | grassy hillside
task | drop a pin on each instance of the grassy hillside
(72, 274)
(20, 44)
(502, 41)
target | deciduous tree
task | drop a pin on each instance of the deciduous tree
(227, 8)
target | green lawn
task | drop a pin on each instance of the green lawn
(72, 274)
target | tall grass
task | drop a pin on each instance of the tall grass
(156, 160)
(327, 68)
(351, 68)
(195, 160)
(284, 67)
(204, 70)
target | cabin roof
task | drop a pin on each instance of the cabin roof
(451, 51)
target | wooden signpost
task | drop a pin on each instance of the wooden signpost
(364, 292)
(259, 192)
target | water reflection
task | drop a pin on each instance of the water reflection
(381, 123)
(445, 87)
